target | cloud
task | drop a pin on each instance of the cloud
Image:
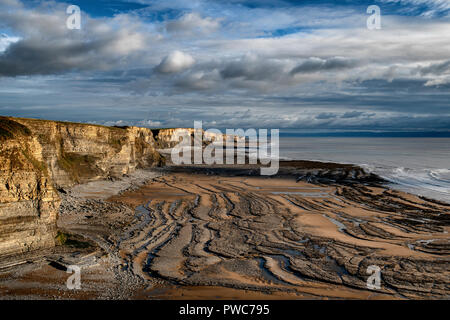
(356, 114)
(316, 65)
(176, 61)
(326, 116)
(438, 81)
(436, 68)
(197, 80)
(11, 3)
(6, 41)
(438, 74)
(151, 123)
(46, 46)
(191, 23)
(432, 7)
(299, 64)
(252, 67)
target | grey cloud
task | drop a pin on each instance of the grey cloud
(356, 114)
(316, 64)
(198, 80)
(436, 68)
(34, 57)
(31, 57)
(192, 23)
(252, 68)
(326, 116)
(47, 47)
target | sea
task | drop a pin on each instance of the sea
(416, 165)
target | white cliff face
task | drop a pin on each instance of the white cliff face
(169, 138)
(37, 157)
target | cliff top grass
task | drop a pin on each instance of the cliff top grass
(95, 125)
(65, 123)
(121, 128)
(10, 129)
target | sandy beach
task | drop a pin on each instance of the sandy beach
(199, 232)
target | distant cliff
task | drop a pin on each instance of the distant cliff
(169, 138)
(38, 157)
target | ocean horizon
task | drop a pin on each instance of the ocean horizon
(417, 165)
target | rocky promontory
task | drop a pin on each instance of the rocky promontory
(38, 158)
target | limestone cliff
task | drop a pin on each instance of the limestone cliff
(28, 201)
(169, 138)
(37, 157)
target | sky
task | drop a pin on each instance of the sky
(299, 65)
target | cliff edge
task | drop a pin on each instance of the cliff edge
(39, 157)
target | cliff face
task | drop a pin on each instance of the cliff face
(169, 138)
(28, 201)
(76, 153)
(37, 157)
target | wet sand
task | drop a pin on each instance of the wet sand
(228, 233)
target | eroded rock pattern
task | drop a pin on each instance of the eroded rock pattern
(283, 234)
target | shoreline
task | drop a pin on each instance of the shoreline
(154, 232)
(429, 195)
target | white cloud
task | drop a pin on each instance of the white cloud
(438, 81)
(151, 123)
(6, 41)
(125, 42)
(176, 61)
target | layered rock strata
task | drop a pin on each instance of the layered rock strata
(39, 158)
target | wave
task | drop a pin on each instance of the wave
(418, 166)
(433, 183)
